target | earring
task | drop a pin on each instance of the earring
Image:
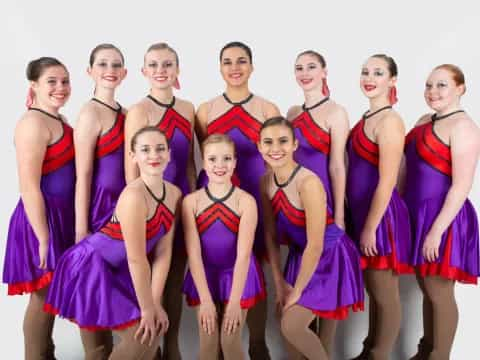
(392, 95)
(325, 89)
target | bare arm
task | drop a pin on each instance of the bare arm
(465, 149)
(132, 212)
(191, 170)
(270, 110)
(137, 118)
(201, 121)
(87, 130)
(391, 138)
(194, 251)
(273, 249)
(314, 202)
(246, 234)
(339, 133)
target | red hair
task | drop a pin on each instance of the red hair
(457, 74)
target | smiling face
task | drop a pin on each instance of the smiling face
(309, 72)
(235, 66)
(160, 68)
(52, 89)
(441, 91)
(219, 162)
(375, 79)
(107, 69)
(151, 153)
(277, 145)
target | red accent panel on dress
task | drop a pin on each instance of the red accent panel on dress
(112, 139)
(363, 146)
(339, 313)
(445, 269)
(432, 150)
(30, 286)
(317, 137)
(59, 153)
(236, 118)
(217, 211)
(173, 120)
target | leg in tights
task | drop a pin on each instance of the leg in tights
(295, 328)
(131, 349)
(385, 294)
(326, 334)
(209, 344)
(37, 329)
(231, 344)
(173, 305)
(425, 344)
(257, 323)
(441, 293)
(97, 344)
(367, 343)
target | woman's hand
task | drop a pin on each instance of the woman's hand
(163, 322)
(291, 299)
(232, 317)
(431, 246)
(208, 317)
(281, 293)
(368, 242)
(80, 236)
(149, 325)
(42, 254)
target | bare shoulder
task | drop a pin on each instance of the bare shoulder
(293, 112)
(132, 197)
(425, 118)
(466, 128)
(88, 116)
(203, 110)
(186, 107)
(391, 121)
(308, 180)
(269, 109)
(31, 126)
(246, 201)
(337, 114)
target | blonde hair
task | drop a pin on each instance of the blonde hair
(218, 138)
(163, 46)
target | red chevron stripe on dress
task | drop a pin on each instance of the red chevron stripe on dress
(173, 120)
(236, 118)
(280, 203)
(433, 151)
(113, 138)
(217, 211)
(317, 137)
(59, 153)
(363, 146)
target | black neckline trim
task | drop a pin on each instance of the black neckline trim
(59, 118)
(158, 200)
(159, 103)
(290, 178)
(222, 199)
(244, 101)
(321, 102)
(435, 117)
(108, 106)
(367, 115)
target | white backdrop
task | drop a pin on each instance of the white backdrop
(419, 35)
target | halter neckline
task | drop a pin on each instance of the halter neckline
(241, 102)
(290, 178)
(159, 103)
(108, 106)
(369, 115)
(321, 102)
(158, 200)
(223, 198)
(59, 118)
(435, 117)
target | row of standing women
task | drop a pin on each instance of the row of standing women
(127, 238)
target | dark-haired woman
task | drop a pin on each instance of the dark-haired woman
(175, 117)
(99, 164)
(114, 279)
(321, 128)
(42, 225)
(322, 275)
(379, 217)
(240, 114)
(441, 156)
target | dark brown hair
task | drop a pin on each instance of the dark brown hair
(316, 55)
(391, 64)
(278, 121)
(105, 46)
(237, 44)
(35, 68)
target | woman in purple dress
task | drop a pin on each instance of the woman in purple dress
(224, 278)
(240, 114)
(321, 128)
(322, 275)
(441, 156)
(99, 162)
(42, 225)
(114, 278)
(379, 217)
(175, 117)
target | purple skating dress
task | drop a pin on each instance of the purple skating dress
(393, 232)
(178, 131)
(429, 178)
(57, 185)
(92, 285)
(244, 129)
(313, 150)
(108, 178)
(218, 230)
(337, 283)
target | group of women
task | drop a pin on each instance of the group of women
(109, 211)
